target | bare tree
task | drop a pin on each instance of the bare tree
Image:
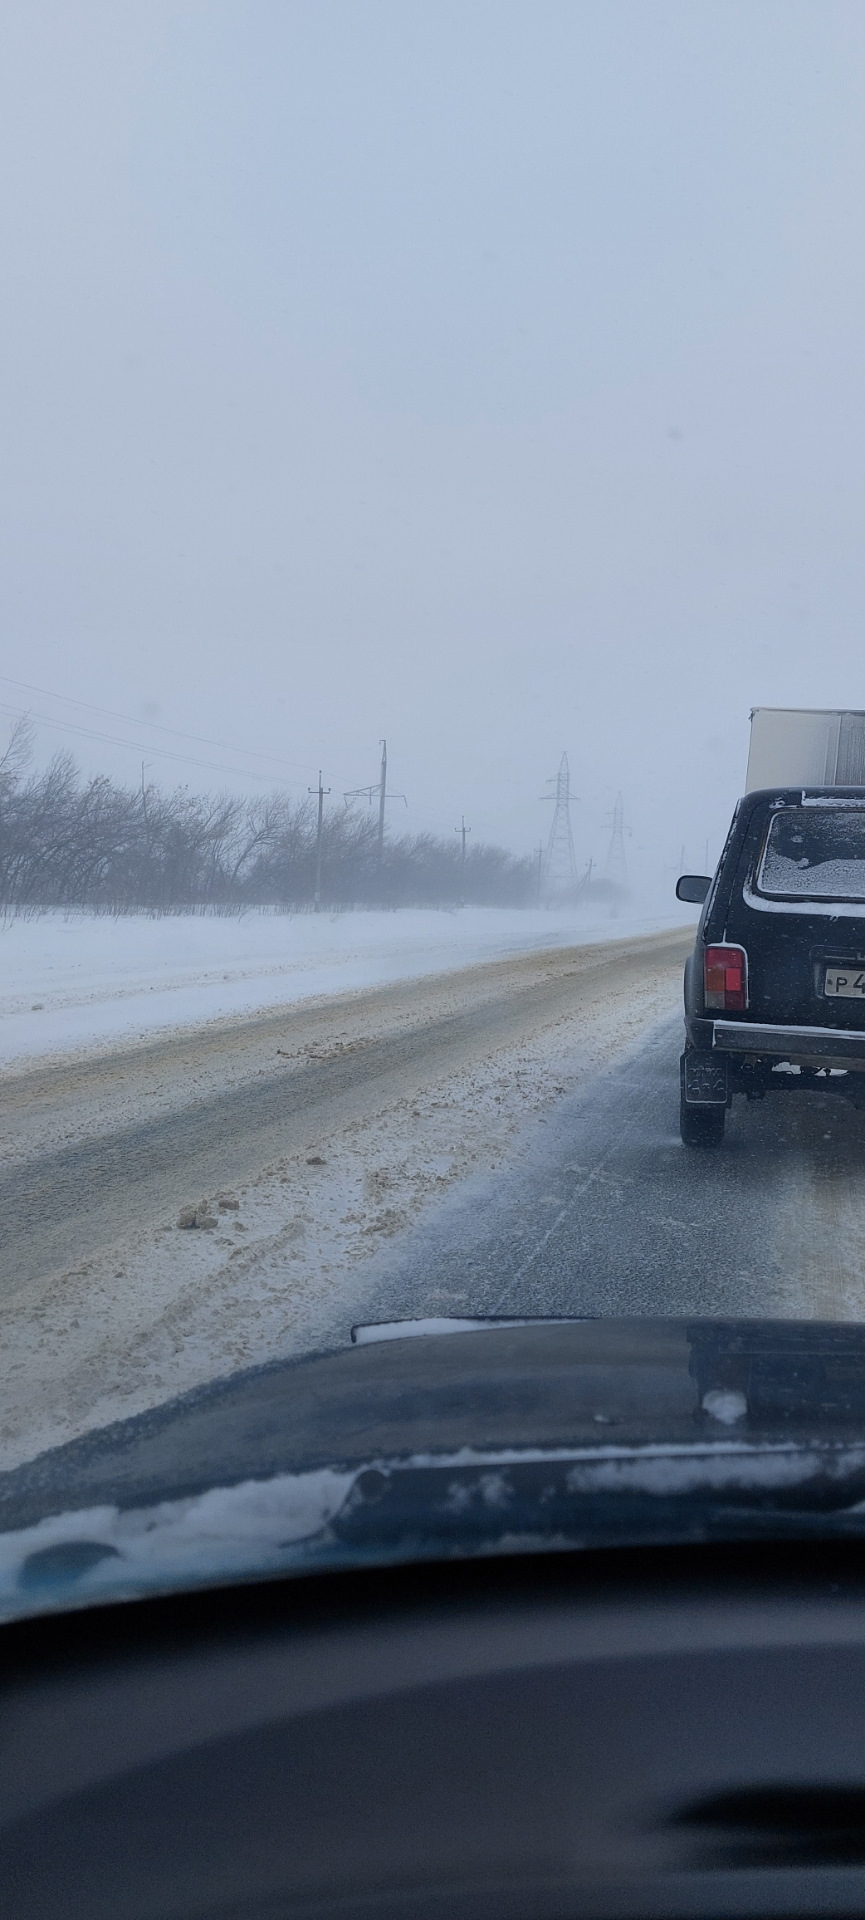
(68, 842)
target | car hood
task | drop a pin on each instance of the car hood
(439, 1438)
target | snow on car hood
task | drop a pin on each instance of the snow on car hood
(285, 1524)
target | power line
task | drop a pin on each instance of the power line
(435, 822)
(135, 746)
(176, 733)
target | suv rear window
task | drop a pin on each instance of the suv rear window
(815, 853)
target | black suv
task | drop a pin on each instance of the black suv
(775, 986)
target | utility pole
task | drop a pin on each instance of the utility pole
(540, 852)
(382, 801)
(462, 829)
(321, 791)
(380, 787)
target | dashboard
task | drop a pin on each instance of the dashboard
(613, 1734)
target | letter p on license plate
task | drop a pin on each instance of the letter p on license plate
(844, 983)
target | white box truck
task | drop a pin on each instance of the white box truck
(806, 746)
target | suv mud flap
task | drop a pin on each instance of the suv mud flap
(704, 1078)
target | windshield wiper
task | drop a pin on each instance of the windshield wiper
(368, 1334)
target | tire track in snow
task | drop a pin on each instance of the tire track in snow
(59, 1207)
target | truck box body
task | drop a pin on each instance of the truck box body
(800, 746)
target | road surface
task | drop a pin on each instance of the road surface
(608, 1213)
(502, 1140)
(94, 1149)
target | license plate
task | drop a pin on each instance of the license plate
(705, 1079)
(844, 983)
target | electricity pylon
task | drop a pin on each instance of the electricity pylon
(616, 867)
(559, 872)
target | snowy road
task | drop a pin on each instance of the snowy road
(93, 1149)
(607, 1213)
(498, 1139)
(316, 1133)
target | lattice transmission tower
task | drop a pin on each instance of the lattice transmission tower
(559, 870)
(616, 867)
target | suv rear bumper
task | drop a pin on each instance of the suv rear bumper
(802, 1046)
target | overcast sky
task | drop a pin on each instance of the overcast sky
(488, 376)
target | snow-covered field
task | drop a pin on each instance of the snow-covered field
(69, 981)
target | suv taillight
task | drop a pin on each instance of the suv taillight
(725, 979)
